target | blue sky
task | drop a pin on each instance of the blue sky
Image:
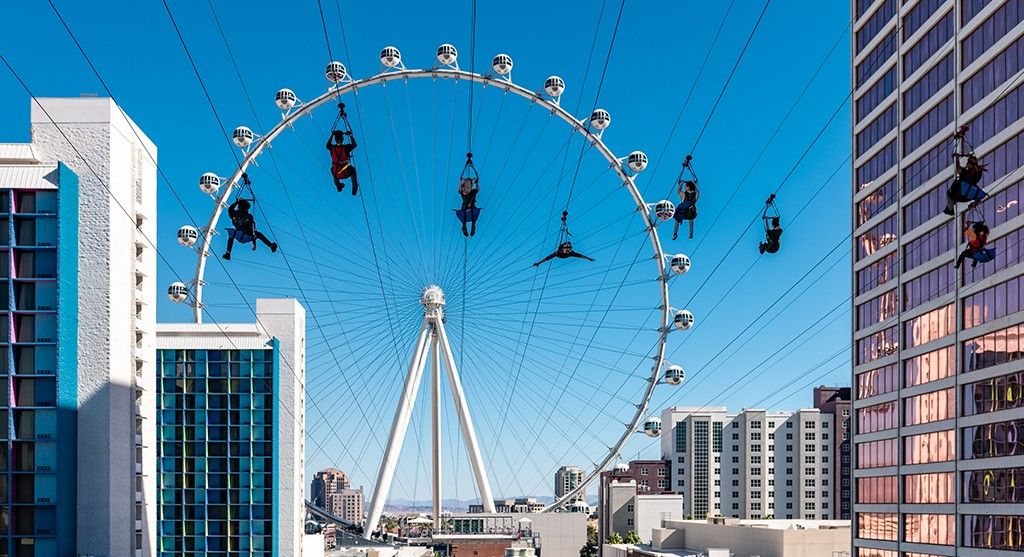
(584, 361)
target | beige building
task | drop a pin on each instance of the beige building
(568, 478)
(332, 491)
(744, 538)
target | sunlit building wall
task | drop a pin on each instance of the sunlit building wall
(937, 351)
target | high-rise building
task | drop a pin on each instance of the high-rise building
(81, 401)
(331, 491)
(566, 479)
(751, 464)
(325, 484)
(39, 293)
(835, 401)
(937, 349)
(230, 467)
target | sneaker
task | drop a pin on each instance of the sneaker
(691, 235)
(675, 236)
(355, 188)
(227, 255)
(340, 187)
(273, 247)
(473, 231)
(760, 248)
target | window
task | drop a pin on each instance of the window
(878, 93)
(930, 366)
(809, 471)
(930, 286)
(992, 75)
(929, 447)
(755, 472)
(735, 459)
(928, 45)
(755, 448)
(929, 488)
(771, 425)
(876, 310)
(643, 471)
(990, 31)
(879, 417)
(809, 448)
(789, 436)
(993, 302)
(930, 326)
(771, 447)
(877, 526)
(789, 425)
(809, 506)
(755, 494)
(681, 437)
(878, 273)
(809, 436)
(927, 126)
(877, 345)
(993, 440)
(995, 348)
(771, 436)
(923, 89)
(809, 482)
(992, 531)
(755, 459)
(994, 394)
(662, 472)
(663, 484)
(1010, 253)
(929, 407)
(883, 233)
(929, 528)
(755, 436)
(875, 23)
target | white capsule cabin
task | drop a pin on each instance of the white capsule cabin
(242, 136)
(335, 72)
(674, 375)
(285, 99)
(652, 427)
(664, 209)
(554, 86)
(209, 183)
(177, 292)
(600, 119)
(502, 64)
(188, 235)
(683, 320)
(637, 161)
(680, 263)
(447, 54)
(390, 56)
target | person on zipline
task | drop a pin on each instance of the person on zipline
(564, 251)
(341, 159)
(977, 236)
(244, 228)
(687, 208)
(468, 189)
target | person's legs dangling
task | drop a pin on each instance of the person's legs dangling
(675, 230)
(261, 237)
(691, 228)
(355, 179)
(231, 244)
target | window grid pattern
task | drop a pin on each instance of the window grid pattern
(925, 87)
(700, 469)
(994, 394)
(994, 28)
(215, 433)
(928, 45)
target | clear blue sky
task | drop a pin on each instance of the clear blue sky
(412, 142)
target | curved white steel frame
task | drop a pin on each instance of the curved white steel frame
(555, 108)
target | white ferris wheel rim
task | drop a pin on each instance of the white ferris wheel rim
(505, 83)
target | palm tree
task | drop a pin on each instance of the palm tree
(632, 538)
(614, 538)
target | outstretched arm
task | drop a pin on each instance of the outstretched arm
(330, 140)
(546, 259)
(352, 142)
(581, 256)
(233, 209)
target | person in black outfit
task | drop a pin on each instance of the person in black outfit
(772, 235)
(468, 189)
(244, 228)
(563, 251)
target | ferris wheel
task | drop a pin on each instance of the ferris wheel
(477, 305)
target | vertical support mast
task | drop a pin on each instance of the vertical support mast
(475, 460)
(435, 380)
(432, 342)
(398, 429)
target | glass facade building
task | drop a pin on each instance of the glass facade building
(937, 350)
(216, 426)
(38, 358)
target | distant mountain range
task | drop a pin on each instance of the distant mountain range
(455, 505)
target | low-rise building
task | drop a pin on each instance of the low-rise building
(625, 505)
(750, 538)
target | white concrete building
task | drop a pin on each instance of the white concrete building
(752, 464)
(755, 538)
(116, 166)
(624, 509)
(268, 357)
